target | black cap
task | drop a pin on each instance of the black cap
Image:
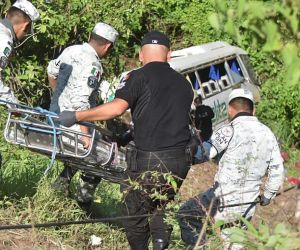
(156, 37)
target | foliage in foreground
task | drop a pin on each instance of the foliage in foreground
(263, 237)
(49, 206)
(269, 31)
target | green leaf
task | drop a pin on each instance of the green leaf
(214, 21)
(272, 241)
(43, 28)
(264, 231)
(241, 7)
(221, 5)
(218, 224)
(250, 227)
(281, 229)
(237, 235)
(273, 37)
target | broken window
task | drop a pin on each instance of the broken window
(192, 78)
(235, 71)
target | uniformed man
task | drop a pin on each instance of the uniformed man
(160, 99)
(17, 23)
(75, 78)
(247, 151)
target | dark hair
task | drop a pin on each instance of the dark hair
(198, 100)
(17, 16)
(242, 104)
(99, 39)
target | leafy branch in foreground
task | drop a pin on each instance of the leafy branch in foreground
(281, 237)
(272, 25)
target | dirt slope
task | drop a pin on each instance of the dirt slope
(282, 209)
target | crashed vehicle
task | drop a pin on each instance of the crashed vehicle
(213, 70)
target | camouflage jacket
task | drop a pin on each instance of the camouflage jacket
(77, 70)
(7, 37)
(247, 151)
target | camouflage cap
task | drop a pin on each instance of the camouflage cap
(106, 31)
(28, 8)
(244, 93)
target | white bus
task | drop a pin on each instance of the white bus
(214, 69)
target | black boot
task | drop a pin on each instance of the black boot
(160, 244)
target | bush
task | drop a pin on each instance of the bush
(279, 109)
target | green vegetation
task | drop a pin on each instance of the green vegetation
(280, 237)
(267, 30)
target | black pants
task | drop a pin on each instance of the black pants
(141, 201)
(192, 213)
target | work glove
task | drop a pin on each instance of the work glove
(264, 201)
(67, 118)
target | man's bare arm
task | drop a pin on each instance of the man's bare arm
(103, 112)
(52, 82)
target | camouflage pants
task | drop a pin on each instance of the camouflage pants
(86, 187)
(6, 94)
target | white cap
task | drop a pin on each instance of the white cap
(244, 93)
(106, 31)
(28, 8)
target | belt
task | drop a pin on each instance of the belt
(169, 153)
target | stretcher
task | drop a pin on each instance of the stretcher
(37, 130)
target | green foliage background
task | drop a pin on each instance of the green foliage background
(267, 30)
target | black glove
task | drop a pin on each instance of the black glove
(67, 118)
(264, 201)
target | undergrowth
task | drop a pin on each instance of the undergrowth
(49, 206)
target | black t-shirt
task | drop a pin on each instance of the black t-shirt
(203, 116)
(160, 99)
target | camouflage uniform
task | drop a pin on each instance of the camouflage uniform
(7, 38)
(247, 150)
(77, 71)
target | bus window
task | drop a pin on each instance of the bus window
(235, 67)
(215, 78)
(206, 90)
(235, 73)
(224, 82)
(191, 77)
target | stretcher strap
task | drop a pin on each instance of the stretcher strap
(49, 115)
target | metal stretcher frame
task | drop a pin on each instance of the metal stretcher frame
(30, 128)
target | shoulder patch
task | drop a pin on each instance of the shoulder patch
(7, 51)
(123, 81)
(93, 82)
(221, 137)
(57, 63)
(96, 72)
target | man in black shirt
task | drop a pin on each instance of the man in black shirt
(203, 119)
(160, 99)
